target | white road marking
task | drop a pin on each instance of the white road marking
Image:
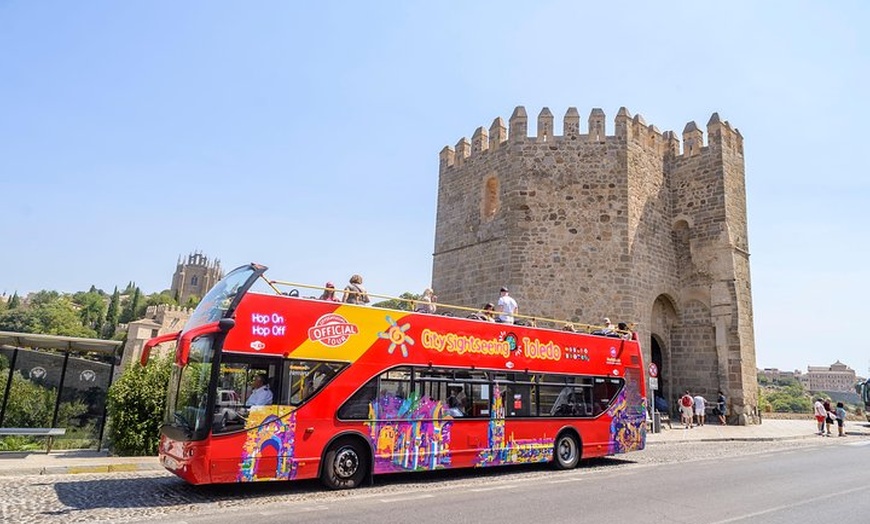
(569, 479)
(752, 516)
(285, 511)
(403, 499)
(504, 486)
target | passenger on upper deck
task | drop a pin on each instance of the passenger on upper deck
(507, 307)
(354, 292)
(488, 312)
(624, 332)
(329, 293)
(426, 304)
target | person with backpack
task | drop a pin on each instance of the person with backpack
(354, 292)
(687, 403)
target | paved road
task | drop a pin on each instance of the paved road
(731, 480)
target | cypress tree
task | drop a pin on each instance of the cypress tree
(15, 301)
(112, 314)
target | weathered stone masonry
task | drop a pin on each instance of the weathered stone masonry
(586, 225)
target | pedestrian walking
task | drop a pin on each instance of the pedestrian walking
(829, 416)
(820, 414)
(841, 419)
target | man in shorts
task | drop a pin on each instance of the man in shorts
(687, 404)
(700, 409)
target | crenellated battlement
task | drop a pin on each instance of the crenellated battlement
(163, 309)
(627, 129)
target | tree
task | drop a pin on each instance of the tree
(19, 321)
(113, 312)
(131, 309)
(43, 297)
(192, 301)
(92, 309)
(15, 301)
(156, 299)
(49, 313)
(135, 405)
(59, 317)
(405, 302)
(785, 399)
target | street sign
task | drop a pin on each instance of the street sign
(653, 370)
(653, 383)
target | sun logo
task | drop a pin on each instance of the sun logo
(397, 337)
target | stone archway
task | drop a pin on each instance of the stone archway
(657, 358)
(663, 319)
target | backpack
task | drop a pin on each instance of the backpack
(687, 401)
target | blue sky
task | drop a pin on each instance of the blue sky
(305, 136)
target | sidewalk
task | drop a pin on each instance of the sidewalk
(769, 429)
(89, 461)
(72, 461)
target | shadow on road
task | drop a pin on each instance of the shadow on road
(163, 491)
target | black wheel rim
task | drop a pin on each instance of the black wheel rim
(567, 450)
(346, 463)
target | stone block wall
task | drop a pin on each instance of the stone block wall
(581, 226)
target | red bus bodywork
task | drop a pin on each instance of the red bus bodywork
(290, 442)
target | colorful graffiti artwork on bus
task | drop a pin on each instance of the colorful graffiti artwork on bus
(628, 420)
(502, 451)
(268, 451)
(409, 434)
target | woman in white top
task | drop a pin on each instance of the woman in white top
(426, 304)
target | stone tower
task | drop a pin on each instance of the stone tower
(581, 226)
(194, 277)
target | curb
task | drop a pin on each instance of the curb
(81, 469)
(731, 439)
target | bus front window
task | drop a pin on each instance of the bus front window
(217, 302)
(187, 406)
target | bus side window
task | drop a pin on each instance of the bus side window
(604, 391)
(357, 406)
(518, 400)
(396, 383)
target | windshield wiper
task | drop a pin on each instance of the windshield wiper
(179, 418)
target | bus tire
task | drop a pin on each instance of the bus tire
(345, 464)
(566, 452)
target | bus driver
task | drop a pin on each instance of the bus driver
(261, 395)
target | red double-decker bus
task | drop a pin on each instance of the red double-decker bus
(354, 391)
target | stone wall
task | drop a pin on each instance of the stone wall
(581, 226)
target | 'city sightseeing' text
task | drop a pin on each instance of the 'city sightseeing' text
(453, 343)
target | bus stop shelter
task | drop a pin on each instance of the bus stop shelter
(51, 381)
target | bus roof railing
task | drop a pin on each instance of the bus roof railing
(449, 309)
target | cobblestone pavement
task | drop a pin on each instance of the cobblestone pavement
(147, 495)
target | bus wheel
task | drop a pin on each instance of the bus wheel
(567, 451)
(344, 465)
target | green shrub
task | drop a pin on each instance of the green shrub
(136, 402)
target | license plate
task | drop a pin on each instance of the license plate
(170, 463)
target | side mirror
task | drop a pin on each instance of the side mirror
(146, 350)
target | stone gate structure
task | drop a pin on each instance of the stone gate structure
(582, 225)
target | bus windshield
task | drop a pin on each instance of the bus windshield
(187, 402)
(219, 302)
